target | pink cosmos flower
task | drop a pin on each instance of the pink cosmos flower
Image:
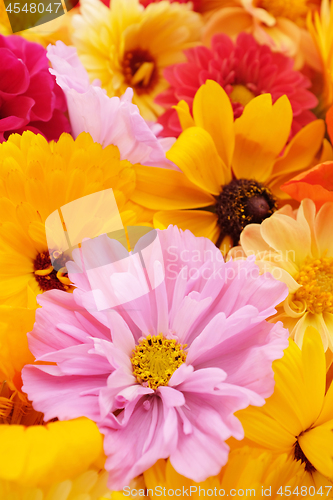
(245, 70)
(162, 372)
(109, 120)
(30, 99)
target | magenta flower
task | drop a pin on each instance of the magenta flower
(30, 99)
(245, 70)
(109, 120)
(163, 371)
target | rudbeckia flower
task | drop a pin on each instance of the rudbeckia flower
(39, 461)
(316, 184)
(109, 120)
(163, 371)
(244, 69)
(37, 178)
(298, 251)
(136, 45)
(234, 169)
(279, 24)
(30, 97)
(298, 418)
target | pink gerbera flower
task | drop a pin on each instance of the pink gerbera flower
(245, 70)
(162, 354)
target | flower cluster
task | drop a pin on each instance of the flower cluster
(166, 250)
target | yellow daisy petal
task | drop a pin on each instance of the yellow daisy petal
(261, 133)
(192, 152)
(162, 189)
(200, 223)
(212, 111)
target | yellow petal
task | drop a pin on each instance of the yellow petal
(301, 150)
(317, 446)
(15, 323)
(264, 430)
(184, 115)
(200, 223)
(314, 363)
(195, 154)
(163, 189)
(42, 454)
(261, 133)
(288, 237)
(322, 230)
(212, 111)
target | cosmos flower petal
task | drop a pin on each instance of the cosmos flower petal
(62, 394)
(126, 465)
(177, 406)
(108, 120)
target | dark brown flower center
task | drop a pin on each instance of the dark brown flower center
(47, 277)
(299, 455)
(243, 202)
(140, 70)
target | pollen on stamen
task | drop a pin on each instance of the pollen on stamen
(316, 280)
(155, 359)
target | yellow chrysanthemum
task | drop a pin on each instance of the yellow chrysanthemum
(298, 418)
(298, 251)
(37, 178)
(321, 29)
(234, 168)
(129, 46)
(47, 461)
(281, 24)
(250, 472)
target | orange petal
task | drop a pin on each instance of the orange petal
(316, 184)
(229, 20)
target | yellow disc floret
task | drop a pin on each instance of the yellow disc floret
(316, 278)
(155, 359)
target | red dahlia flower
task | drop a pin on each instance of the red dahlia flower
(30, 99)
(245, 70)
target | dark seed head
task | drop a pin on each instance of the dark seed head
(243, 202)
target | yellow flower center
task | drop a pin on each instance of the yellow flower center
(295, 10)
(155, 359)
(139, 69)
(241, 94)
(316, 278)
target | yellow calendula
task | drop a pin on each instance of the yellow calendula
(37, 178)
(129, 46)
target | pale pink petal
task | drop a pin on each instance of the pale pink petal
(109, 120)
